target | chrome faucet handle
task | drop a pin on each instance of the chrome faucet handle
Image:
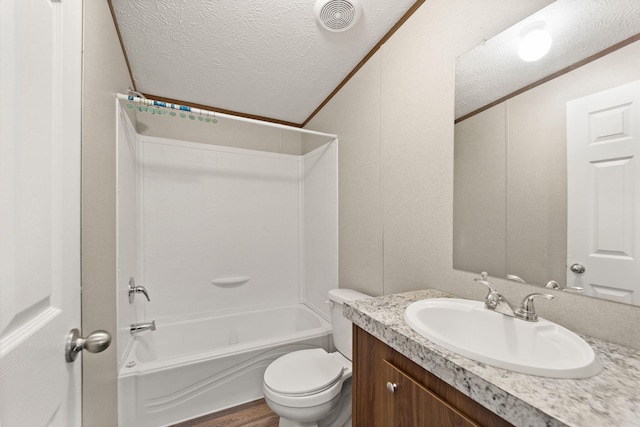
(527, 310)
(133, 289)
(143, 291)
(485, 282)
(493, 297)
(515, 278)
(552, 284)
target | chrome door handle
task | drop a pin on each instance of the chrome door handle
(578, 268)
(391, 387)
(95, 342)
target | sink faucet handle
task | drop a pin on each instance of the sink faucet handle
(515, 278)
(552, 284)
(527, 310)
(485, 282)
(493, 297)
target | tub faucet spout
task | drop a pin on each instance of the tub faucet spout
(136, 328)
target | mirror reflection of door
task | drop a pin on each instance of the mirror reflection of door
(510, 150)
(603, 183)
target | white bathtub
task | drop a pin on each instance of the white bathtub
(187, 369)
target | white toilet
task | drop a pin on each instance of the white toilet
(310, 388)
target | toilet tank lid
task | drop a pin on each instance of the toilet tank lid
(341, 295)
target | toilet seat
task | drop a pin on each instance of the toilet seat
(305, 378)
(303, 373)
(313, 387)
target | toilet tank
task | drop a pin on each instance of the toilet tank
(341, 325)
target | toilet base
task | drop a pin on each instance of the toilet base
(340, 415)
(284, 422)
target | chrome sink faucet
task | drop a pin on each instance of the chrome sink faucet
(136, 328)
(494, 299)
(527, 311)
(496, 302)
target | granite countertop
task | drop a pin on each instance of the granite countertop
(611, 398)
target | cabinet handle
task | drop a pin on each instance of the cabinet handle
(391, 387)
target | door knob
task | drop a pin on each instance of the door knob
(392, 387)
(95, 342)
(578, 268)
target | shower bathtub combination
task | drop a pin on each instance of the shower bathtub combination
(234, 236)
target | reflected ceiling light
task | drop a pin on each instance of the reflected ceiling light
(535, 44)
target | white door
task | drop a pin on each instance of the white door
(40, 78)
(603, 151)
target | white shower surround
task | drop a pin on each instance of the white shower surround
(213, 212)
(127, 228)
(207, 212)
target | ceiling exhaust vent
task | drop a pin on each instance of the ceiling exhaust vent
(338, 15)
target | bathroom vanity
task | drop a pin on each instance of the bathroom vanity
(391, 390)
(403, 379)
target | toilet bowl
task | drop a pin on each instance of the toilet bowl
(306, 385)
(310, 388)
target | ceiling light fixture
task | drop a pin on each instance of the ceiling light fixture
(535, 43)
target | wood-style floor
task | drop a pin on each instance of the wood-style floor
(252, 414)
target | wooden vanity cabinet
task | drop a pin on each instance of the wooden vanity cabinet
(389, 390)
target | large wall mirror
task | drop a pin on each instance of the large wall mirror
(546, 172)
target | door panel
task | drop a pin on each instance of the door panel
(604, 193)
(410, 404)
(40, 72)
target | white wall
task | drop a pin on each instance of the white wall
(104, 73)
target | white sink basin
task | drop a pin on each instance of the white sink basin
(537, 348)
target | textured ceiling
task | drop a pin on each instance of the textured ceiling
(579, 28)
(257, 57)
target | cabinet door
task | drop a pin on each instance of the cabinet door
(419, 399)
(409, 404)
